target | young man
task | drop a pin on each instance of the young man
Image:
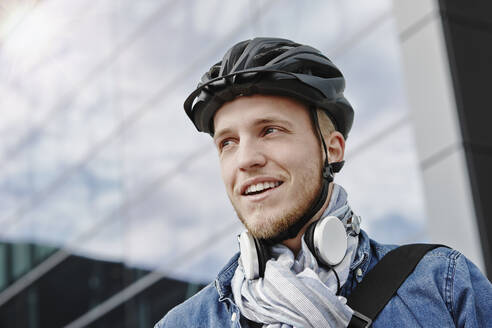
(278, 118)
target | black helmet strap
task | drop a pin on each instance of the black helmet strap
(328, 171)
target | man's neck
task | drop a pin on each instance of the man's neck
(294, 244)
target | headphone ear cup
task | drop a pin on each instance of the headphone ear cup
(330, 240)
(249, 256)
(254, 255)
(309, 238)
(263, 256)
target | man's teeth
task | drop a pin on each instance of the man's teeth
(261, 186)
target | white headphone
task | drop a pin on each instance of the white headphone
(326, 239)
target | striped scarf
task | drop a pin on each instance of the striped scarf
(297, 292)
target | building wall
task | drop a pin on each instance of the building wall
(446, 63)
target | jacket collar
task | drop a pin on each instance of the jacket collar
(223, 281)
(363, 255)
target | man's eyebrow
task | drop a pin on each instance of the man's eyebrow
(219, 134)
(272, 120)
(260, 121)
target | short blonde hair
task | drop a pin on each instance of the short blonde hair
(326, 126)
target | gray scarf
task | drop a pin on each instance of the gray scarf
(297, 292)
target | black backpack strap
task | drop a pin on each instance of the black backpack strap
(381, 283)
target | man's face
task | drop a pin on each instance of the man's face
(270, 160)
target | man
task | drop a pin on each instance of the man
(279, 120)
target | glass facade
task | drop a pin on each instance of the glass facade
(80, 284)
(111, 205)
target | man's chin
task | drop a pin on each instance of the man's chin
(262, 234)
(268, 229)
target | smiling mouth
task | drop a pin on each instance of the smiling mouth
(261, 187)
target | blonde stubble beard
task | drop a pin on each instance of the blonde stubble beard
(268, 227)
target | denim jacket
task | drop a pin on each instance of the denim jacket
(445, 290)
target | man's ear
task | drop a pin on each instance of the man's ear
(335, 145)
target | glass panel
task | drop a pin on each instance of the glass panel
(4, 265)
(21, 259)
(33, 308)
(41, 252)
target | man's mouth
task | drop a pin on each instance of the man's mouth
(261, 187)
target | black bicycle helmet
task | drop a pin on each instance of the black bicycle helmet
(271, 66)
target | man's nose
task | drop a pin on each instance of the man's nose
(250, 156)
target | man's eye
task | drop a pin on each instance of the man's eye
(225, 143)
(269, 130)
